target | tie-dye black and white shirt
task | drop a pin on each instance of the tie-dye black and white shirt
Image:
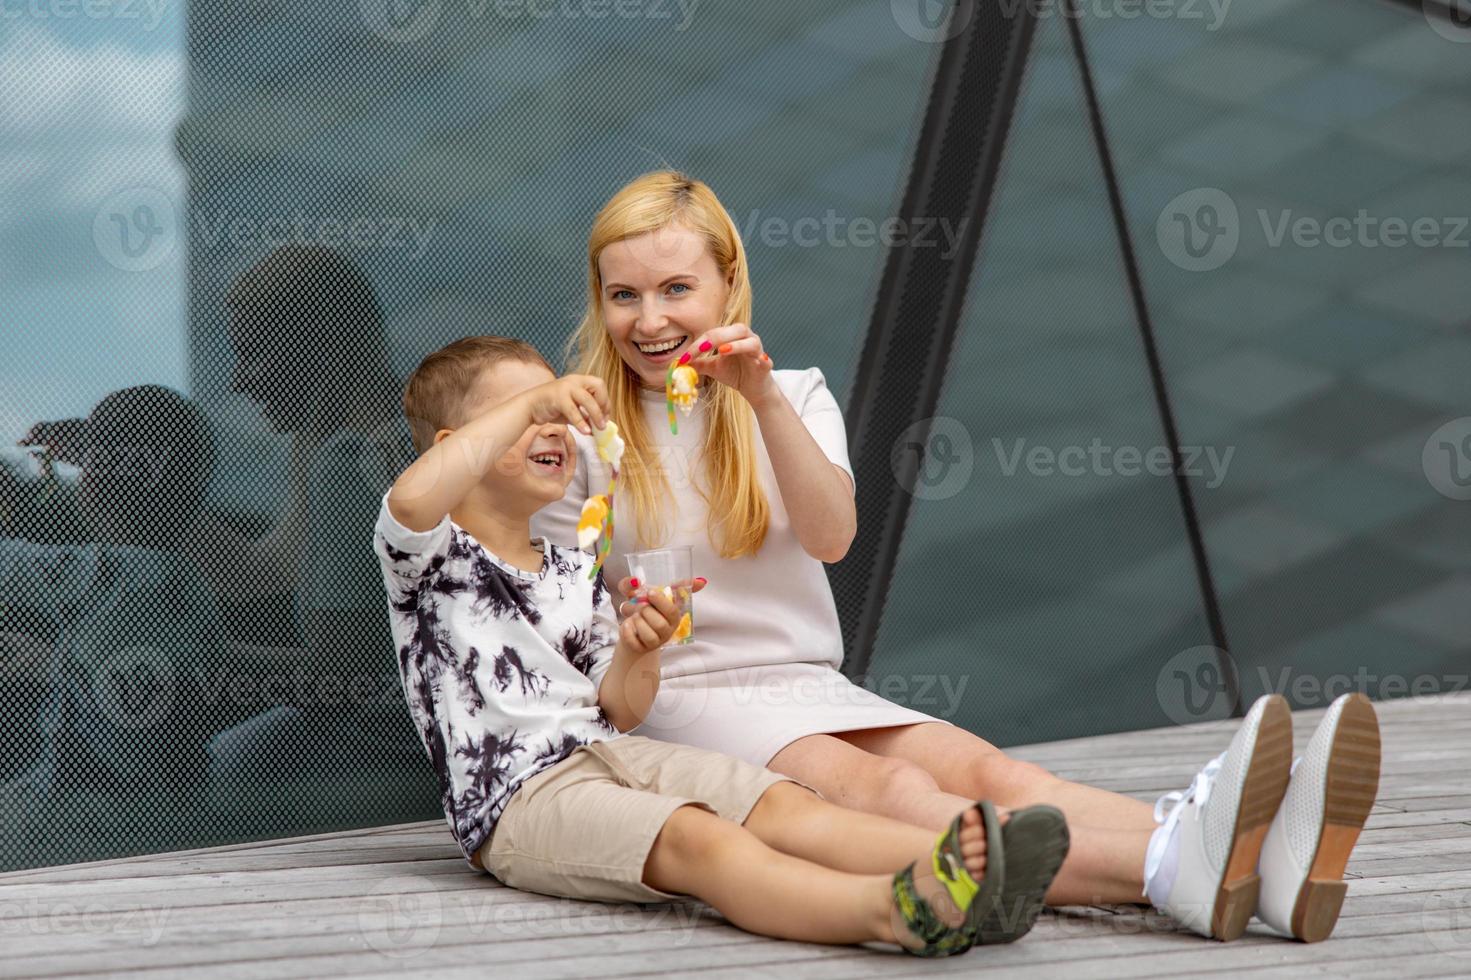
(500, 666)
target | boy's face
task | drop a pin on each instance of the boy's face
(539, 466)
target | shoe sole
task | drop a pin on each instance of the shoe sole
(1267, 775)
(1036, 842)
(1353, 784)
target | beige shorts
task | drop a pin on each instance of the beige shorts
(584, 828)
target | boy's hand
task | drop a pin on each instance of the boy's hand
(651, 625)
(575, 399)
(627, 587)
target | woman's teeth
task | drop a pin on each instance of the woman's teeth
(662, 347)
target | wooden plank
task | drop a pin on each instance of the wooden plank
(307, 840)
(508, 914)
(267, 859)
(400, 900)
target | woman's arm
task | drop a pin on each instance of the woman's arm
(817, 493)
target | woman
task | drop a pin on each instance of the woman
(758, 484)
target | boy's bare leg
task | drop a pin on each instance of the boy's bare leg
(924, 773)
(765, 891)
(794, 820)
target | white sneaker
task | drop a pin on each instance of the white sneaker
(1332, 790)
(1201, 865)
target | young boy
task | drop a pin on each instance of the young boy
(522, 683)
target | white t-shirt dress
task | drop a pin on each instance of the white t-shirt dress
(762, 669)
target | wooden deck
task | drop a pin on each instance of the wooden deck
(399, 900)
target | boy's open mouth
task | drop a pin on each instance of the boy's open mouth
(549, 461)
(660, 351)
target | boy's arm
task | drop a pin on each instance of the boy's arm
(446, 472)
(628, 689)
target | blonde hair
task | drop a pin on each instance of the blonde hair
(434, 397)
(739, 511)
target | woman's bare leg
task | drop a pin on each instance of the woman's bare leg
(1109, 832)
(852, 777)
(765, 891)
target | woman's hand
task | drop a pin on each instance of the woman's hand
(739, 362)
(628, 588)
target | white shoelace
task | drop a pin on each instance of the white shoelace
(1198, 792)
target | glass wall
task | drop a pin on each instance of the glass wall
(226, 248)
(228, 233)
(1295, 181)
(1045, 575)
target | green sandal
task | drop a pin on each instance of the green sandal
(1036, 841)
(979, 900)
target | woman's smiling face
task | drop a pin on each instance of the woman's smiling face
(661, 292)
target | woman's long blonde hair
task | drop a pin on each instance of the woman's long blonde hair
(739, 511)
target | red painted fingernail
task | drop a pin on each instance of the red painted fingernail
(725, 348)
(701, 579)
(633, 583)
(705, 345)
(684, 358)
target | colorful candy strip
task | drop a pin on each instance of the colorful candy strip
(605, 538)
(610, 448)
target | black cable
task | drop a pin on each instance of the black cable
(921, 296)
(1208, 596)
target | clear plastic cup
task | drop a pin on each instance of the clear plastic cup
(669, 570)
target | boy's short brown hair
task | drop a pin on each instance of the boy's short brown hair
(434, 398)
